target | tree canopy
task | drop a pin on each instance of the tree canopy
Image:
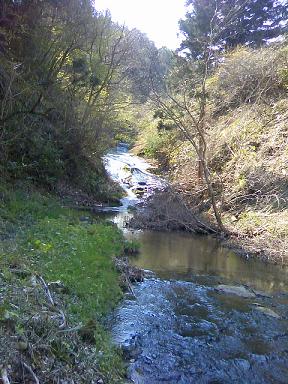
(67, 73)
(225, 24)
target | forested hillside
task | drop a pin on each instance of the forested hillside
(220, 125)
(70, 80)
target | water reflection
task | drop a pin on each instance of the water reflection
(179, 329)
(180, 255)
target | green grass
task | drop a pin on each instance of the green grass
(80, 255)
(44, 238)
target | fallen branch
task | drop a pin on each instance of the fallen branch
(63, 324)
(130, 285)
(74, 329)
(52, 303)
(167, 210)
(29, 369)
(47, 291)
(202, 225)
(4, 376)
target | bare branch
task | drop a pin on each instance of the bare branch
(4, 376)
(30, 370)
(47, 291)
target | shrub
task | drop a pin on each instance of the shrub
(247, 76)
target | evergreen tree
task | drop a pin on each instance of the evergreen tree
(225, 24)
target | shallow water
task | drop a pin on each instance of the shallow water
(179, 328)
(185, 257)
(186, 332)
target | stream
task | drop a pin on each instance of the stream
(205, 315)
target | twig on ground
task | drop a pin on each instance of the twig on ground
(47, 291)
(63, 324)
(74, 329)
(4, 376)
(129, 285)
(30, 370)
(52, 302)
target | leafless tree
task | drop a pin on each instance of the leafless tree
(185, 101)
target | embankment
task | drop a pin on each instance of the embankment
(58, 282)
(247, 156)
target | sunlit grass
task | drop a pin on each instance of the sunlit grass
(41, 237)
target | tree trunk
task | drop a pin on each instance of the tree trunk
(216, 210)
(200, 171)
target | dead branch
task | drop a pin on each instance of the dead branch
(47, 291)
(129, 285)
(64, 323)
(74, 329)
(167, 210)
(4, 376)
(201, 224)
(30, 370)
(60, 313)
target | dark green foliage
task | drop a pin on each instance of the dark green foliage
(225, 24)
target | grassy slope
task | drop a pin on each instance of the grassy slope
(255, 176)
(39, 237)
(248, 160)
(247, 154)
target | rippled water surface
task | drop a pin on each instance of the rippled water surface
(179, 327)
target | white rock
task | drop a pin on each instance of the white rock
(235, 290)
(268, 312)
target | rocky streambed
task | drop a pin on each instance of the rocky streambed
(204, 315)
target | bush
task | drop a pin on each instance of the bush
(247, 76)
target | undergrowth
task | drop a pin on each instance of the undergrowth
(41, 238)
